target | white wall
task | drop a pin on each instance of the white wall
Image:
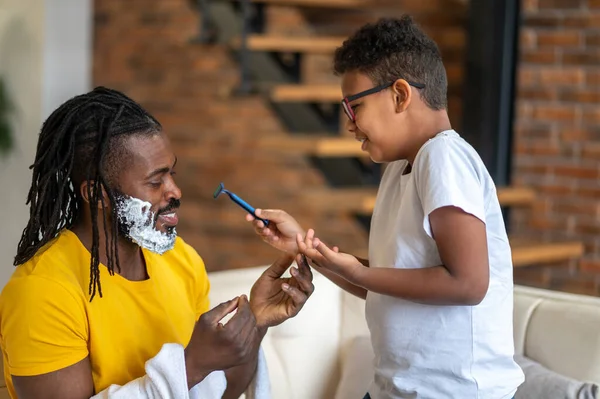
(44, 60)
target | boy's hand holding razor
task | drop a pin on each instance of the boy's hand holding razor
(285, 233)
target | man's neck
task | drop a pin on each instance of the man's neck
(131, 257)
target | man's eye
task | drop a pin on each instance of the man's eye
(155, 184)
(354, 107)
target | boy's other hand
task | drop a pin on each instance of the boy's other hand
(344, 265)
(281, 232)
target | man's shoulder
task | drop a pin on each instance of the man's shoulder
(58, 261)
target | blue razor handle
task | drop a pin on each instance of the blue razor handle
(246, 206)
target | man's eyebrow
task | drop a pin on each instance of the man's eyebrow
(162, 170)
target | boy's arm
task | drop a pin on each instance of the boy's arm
(462, 279)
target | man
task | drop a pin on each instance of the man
(106, 297)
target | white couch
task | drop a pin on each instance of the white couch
(305, 354)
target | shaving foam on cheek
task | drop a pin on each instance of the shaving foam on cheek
(139, 219)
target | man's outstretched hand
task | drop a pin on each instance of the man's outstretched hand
(274, 299)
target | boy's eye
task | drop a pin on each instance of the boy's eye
(354, 107)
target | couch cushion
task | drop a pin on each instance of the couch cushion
(357, 368)
(562, 334)
(543, 383)
(304, 349)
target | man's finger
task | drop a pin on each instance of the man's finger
(279, 267)
(243, 319)
(298, 297)
(303, 266)
(214, 315)
(304, 282)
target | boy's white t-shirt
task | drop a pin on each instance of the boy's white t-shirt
(435, 352)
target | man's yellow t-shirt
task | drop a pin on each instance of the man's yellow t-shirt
(48, 323)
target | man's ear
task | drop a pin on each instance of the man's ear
(83, 190)
(402, 95)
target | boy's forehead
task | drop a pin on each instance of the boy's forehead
(354, 82)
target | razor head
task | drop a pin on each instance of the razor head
(219, 190)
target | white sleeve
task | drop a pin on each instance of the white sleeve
(447, 174)
(166, 379)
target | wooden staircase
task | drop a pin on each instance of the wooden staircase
(328, 146)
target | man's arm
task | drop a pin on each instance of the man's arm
(73, 382)
(239, 378)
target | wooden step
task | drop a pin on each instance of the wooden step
(328, 44)
(325, 93)
(313, 145)
(539, 254)
(290, 44)
(319, 3)
(329, 93)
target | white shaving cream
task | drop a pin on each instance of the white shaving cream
(136, 214)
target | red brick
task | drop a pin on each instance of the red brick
(536, 20)
(528, 38)
(560, 4)
(582, 58)
(558, 113)
(591, 150)
(591, 116)
(542, 131)
(543, 56)
(578, 172)
(559, 38)
(561, 76)
(581, 96)
(582, 20)
(574, 134)
(530, 5)
(592, 39)
(537, 93)
(528, 76)
(590, 265)
(537, 148)
(592, 78)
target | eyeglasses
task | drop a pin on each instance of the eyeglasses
(347, 100)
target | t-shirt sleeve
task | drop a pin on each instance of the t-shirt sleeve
(201, 281)
(44, 326)
(447, 174)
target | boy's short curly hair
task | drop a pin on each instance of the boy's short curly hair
(394, 48)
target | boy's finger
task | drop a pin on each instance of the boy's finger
(324, 250)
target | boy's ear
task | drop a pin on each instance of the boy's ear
(402, 95)
(83, 190)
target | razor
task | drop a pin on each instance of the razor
(221, 189)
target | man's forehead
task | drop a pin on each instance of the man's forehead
(148, 152)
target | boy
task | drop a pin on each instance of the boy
(438, 281)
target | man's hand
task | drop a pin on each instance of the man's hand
(274, 299)
(344, 265)
(215, 346)
(281, 232)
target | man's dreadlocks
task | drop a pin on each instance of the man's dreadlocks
(81, 141)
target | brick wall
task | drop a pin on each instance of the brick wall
(557, 141)
(143, 49)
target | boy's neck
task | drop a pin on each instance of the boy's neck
(434, 123)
